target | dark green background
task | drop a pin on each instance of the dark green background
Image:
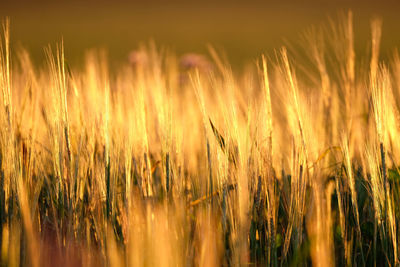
(243, 29)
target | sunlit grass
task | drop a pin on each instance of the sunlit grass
(158, 163)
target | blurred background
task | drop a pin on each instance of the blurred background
(242, 29)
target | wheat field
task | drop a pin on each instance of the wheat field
(164, 162)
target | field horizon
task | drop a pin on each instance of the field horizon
(243, 31)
